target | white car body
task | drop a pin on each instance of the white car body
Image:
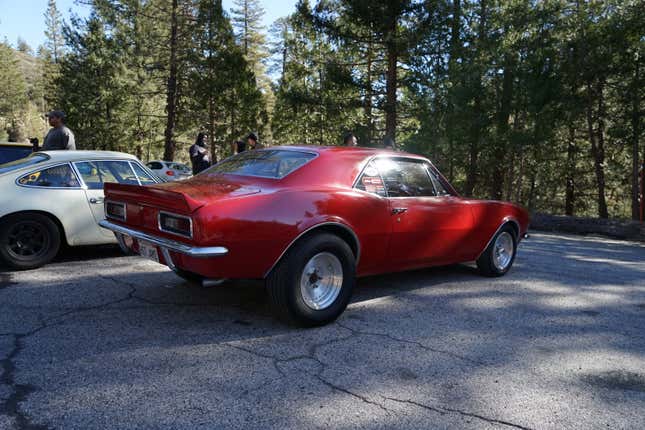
(169, 170)
(76, 207)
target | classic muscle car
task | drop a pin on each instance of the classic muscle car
(309, 220)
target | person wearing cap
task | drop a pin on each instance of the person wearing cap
(59, 136)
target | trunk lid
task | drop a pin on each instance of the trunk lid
(183, 196)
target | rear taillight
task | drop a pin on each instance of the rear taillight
(115, 210)
(170, 173)
(176, 224)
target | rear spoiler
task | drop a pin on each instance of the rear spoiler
(151, 196)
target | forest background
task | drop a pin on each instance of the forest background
(537, 102)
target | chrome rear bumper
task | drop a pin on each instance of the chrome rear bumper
(165, 244)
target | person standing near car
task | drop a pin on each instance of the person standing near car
(238, 146)
(252, 142)
(59, 136)
(199, 156)
(350, 140)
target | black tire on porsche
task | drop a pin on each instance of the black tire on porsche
(28, 241)
(499, 255)
(313, 283)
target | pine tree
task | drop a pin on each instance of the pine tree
(13, 94)
(54, 31)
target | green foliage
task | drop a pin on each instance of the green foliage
(539, 102)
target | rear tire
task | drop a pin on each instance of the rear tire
(313, 283)
(498, 257)
(28, 241)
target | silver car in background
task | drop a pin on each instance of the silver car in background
(170, 170)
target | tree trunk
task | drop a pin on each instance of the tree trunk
(369, 121)
(570, 196)
(635, 140)
(455, 50)
(596, 138)
(391, 84)
(500, 144)
(477, 122)
(171, 90)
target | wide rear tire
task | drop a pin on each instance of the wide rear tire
(28, 241)
(313, 282)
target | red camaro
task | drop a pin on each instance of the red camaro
(309, 220)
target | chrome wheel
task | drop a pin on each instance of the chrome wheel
(321, 280)
(503, 251)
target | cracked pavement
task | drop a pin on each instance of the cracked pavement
(97, 340)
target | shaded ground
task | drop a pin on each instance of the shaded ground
(119, 342)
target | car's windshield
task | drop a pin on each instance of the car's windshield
(11, 153)
(269, 163)
(23, 162)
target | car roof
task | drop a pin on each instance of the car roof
(167, 162)
(86, 155)
(20, 144)
(358, 150)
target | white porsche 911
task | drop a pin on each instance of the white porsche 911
(56, 197)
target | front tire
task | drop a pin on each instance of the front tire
(313, 283)
(28, 241)
(498, 257)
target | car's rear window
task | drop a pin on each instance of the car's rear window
(266, 163)
(11, 153)
(23, 162)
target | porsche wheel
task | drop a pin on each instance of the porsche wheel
(499, 256)
(313, 283)
(28, 241)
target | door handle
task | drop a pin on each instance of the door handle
(397, 211)
(96, 201)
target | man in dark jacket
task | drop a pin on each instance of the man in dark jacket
(59, 136)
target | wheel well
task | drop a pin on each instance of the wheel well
(333, 228)
(342, 232)
(515, 228)
(56, 221)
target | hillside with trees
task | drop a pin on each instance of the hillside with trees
(538, 102)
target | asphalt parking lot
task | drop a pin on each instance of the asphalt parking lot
(97, 340)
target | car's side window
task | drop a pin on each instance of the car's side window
(155, 165)
(438, 186)
(96, 173)
(144, 177)
(405, 178)
(55, 177)
(370, 181)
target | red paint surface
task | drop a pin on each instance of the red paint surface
(258, 218)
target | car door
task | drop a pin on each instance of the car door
(429, 225)
(94, 175)
(57, 190)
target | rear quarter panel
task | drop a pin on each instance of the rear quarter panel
(257, 229)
